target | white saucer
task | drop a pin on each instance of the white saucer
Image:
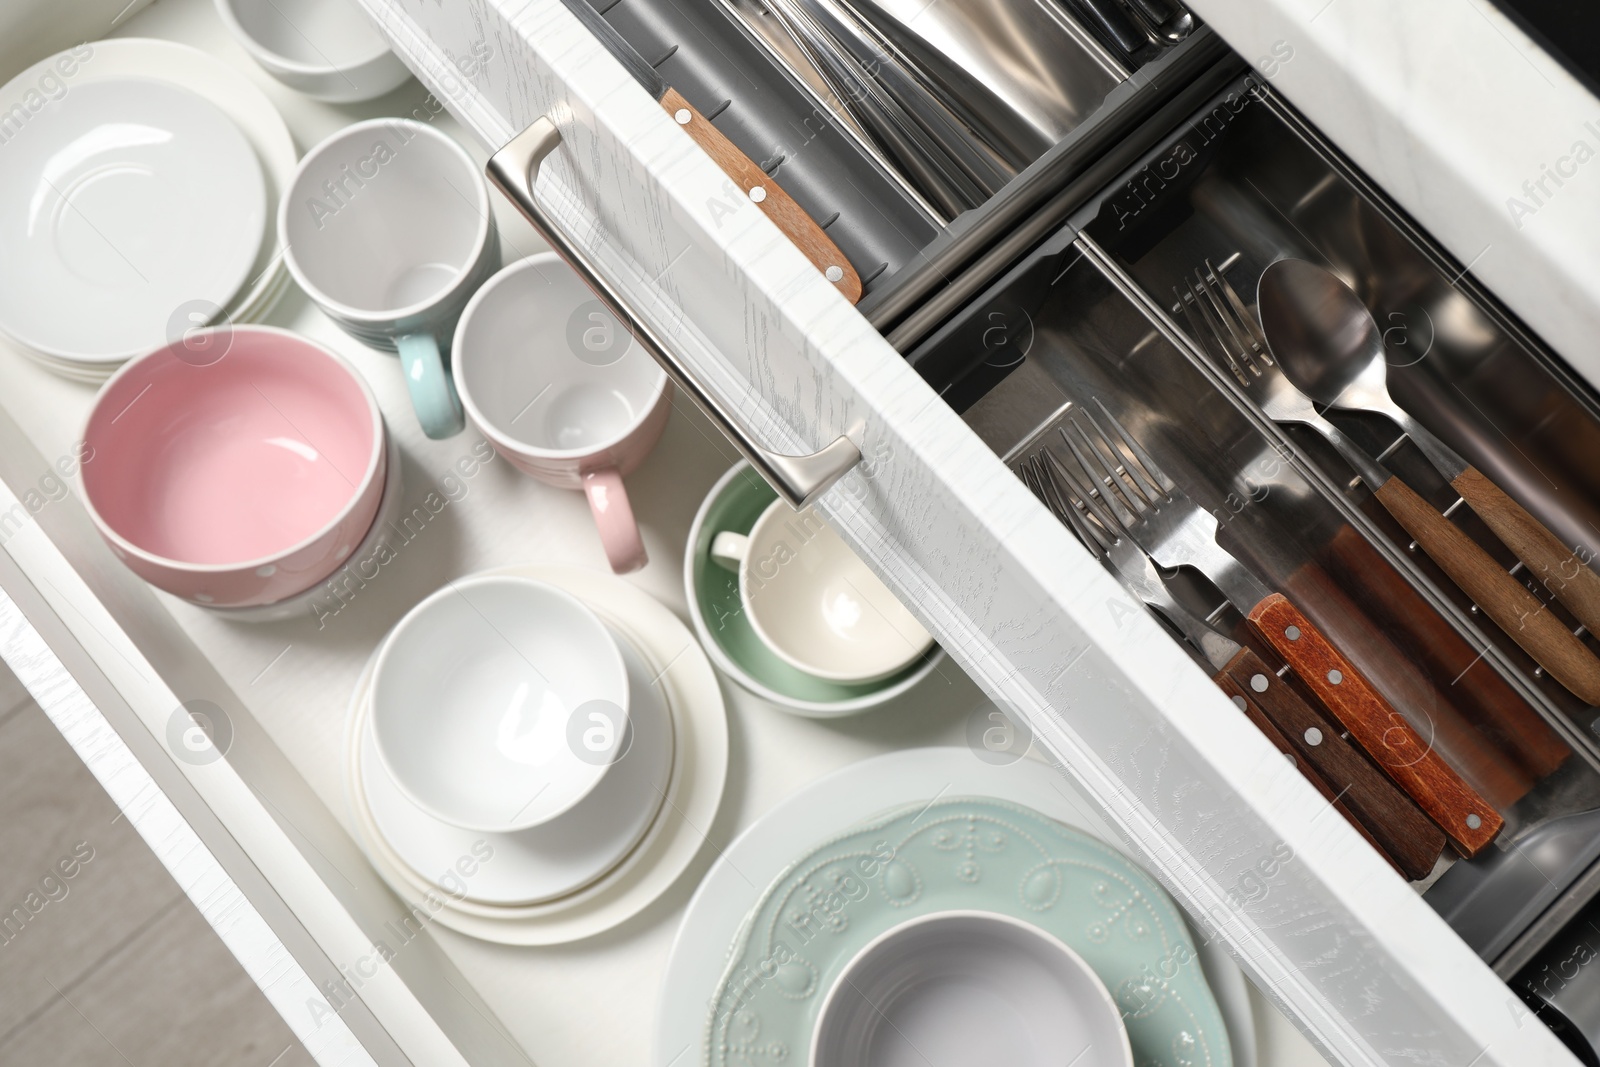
(237, 97)
(121, 202)
(835, 802)
(700, 767)
(555, 858)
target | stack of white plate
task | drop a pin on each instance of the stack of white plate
(138, 189)
(605, 858)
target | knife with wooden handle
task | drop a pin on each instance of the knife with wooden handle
(1468, 820)
(1555, 565)
(1523, 616)
(752, 181)
(1388, 818)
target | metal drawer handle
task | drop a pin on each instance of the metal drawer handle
(798, 479)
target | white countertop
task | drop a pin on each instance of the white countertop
(589, 1003)
(1460, 117)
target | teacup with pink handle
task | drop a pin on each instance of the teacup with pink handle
(560, 389)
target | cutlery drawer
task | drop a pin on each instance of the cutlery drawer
(1106, 321)
(1353, 952)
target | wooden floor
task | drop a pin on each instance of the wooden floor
(103, 960)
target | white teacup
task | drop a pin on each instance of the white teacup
(559, 388)
(498, 703)
(813, 601)
(387, 226)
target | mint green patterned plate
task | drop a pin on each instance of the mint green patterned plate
(962, 853)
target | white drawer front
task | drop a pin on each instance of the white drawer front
(1319, 919)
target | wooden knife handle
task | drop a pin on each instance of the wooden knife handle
(1394, 825)
(753, 182)
(1466, 818)
(1504, 599)
(1553, 563)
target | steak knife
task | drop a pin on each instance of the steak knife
(752, 181)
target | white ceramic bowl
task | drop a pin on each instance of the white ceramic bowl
(327, 49)
(968, 987)
(499, 703)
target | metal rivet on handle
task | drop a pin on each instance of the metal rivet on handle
(1334, 677)
(758, 194)
(1473, 822)
(1292, 633)
(1259, 683)
(1313, 736)
(834, 274)
(1239, 703)
(683, 116)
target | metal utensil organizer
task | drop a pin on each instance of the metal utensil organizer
(1093, 314)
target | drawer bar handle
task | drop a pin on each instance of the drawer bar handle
(798, 479)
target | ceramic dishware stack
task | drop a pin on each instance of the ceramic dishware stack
(327, 49)
(387, 227)
(926, 907)
(811, 630)
(236, 468)
(155, 168)
(529, 750)
(559, 388)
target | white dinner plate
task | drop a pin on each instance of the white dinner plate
(689, 687)
(231, 92)
(121, 202)
(555, 858)
(833, 804)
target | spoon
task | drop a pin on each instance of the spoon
(1332, 350)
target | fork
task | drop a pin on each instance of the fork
(1523, 616)
(1131, 496)
(1390, 820)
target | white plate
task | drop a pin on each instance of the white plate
(121, 202)
(558, 857)
(694, 792)
(237, 97)
(843, 799)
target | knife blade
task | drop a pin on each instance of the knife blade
(752, 181)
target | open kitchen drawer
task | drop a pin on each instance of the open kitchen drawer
(1350, 950)
(1369, 969)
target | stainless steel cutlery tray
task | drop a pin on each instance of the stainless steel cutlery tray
(1092, 316)
(775, 115)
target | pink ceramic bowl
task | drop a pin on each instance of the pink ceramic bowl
(238, 479)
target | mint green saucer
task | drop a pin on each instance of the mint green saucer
(734, 503)
(962, 853)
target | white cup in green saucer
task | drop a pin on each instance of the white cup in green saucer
(723, 623)
(813, 601)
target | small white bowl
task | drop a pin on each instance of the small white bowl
(327, 49)
(499, 703)
(968, 987)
